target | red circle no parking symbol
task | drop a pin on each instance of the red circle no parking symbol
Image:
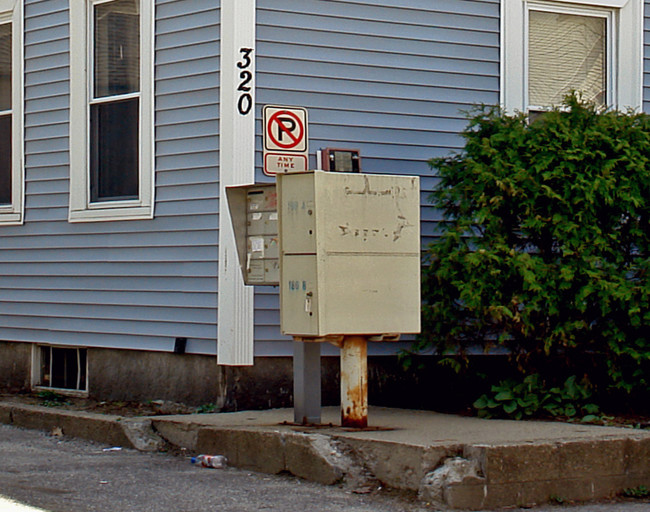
(285, 129)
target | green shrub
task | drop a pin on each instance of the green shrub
(640, 492)
(545, 248)
(531, 398)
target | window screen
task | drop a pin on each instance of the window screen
(566, 52)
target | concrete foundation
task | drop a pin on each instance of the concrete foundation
(141, 376)
(15, 367)
(131, 375)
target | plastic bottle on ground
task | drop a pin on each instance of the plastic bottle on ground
(210, 461)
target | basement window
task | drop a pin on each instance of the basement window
(62, 368)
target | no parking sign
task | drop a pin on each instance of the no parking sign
(285, 140)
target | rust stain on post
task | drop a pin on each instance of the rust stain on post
(354, 382)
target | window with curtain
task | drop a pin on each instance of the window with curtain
(566, 52)
(550, 48)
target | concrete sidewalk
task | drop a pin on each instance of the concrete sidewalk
(453, 461)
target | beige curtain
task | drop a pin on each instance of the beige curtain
(566, 52)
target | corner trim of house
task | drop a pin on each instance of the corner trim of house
(235, 323)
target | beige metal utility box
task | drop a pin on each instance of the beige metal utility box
(349, 253)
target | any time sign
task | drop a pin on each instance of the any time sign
(285, 140)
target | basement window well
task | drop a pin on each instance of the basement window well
(61, 368)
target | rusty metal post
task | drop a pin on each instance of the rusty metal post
(354, 382)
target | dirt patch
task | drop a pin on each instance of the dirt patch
(164, 408)
(126, 409)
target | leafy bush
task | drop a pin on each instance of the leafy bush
(640, 492)
(531, 398)
(546, 245)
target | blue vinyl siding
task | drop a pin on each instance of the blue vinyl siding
(135, 284)
(646, 57)
(389, 78)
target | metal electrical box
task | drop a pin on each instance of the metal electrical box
(254, 213)
(349, 253)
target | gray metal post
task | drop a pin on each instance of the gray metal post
(306, 383)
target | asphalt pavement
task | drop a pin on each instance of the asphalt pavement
(448, 461)
(61, 474)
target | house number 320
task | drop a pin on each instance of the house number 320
(245, 102)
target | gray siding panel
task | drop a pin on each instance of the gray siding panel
(136, 284)
(390, 78)
(646, 57)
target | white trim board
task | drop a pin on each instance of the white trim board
(81, 207)
(11, 11)
(235, 329)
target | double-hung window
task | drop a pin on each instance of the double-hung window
(11, 121)
(111, 135)
(592, 47)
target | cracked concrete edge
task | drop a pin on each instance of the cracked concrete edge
(534, 473)
(314, 457)
(142, 435)
(101, 428)
(399, 465)
(177, 433)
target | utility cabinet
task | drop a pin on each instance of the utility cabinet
(254, 213)
(349, 253)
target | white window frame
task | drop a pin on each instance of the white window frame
(625, 48)
(36, 377)
(11, 11)
(82, 209)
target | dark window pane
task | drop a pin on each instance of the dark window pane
(68, 367)
(65, 368)
(117, 48)
(5, 159)
(46, 352)
(82, 368)
(5, 66)
(114, 150)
